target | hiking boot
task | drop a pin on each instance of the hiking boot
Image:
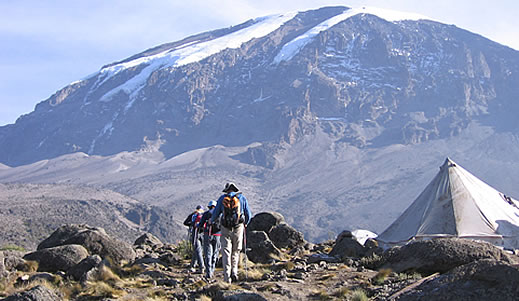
(234, 278)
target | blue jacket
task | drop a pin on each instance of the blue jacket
(244, 206)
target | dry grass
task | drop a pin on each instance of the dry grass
(137, 283)
(10, 287)
(11, 247)
(29, 266)
(107, 275)
(381, 276)
(255, 273)
(409, 276)
(70, 290)
(99, 289)
(205, 298)
(158, 294)
(359, 295)
(371, 262)
(342, 293)
(321, 295)
(267, 287)
(131, 271)
(326, 277)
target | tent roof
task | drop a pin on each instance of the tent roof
(456, 203)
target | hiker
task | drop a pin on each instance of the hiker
(195, 239)
(211, 240)
(234, 208)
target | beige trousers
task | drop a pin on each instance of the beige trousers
(232, 241)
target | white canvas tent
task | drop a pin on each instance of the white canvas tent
(457, 204)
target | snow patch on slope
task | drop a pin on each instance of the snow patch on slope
(187, 54)
(290, 49)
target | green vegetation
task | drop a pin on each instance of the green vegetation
(12, 248)
(381, 276)
(342, 293)
(359, 295)
(184, 249)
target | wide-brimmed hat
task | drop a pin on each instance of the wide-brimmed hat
(230, 187)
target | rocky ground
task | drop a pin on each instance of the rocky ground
(78, 262)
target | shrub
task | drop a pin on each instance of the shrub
(342, 292)
(372, 261)
(381, 276)
(184, 249)
(359, 295)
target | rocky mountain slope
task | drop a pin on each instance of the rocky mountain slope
(366, 77)
(320, 187)
(30, 212)
(335, 117)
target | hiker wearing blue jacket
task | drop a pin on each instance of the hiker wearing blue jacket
(235, 214)
(212, 244)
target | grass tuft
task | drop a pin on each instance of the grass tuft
(184, 249)
(29, 266)
(342, 293)
(99, 289)
(205, 298)
(381, 276)
(326, 277)
(359, 295)
(108, 276)
(321, 295)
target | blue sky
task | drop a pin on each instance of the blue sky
(49, 44)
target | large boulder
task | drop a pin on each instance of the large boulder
(265, 221)
(284, 236)
(82, 268)
(148, 239)
(95, 240)
(485, 279)
(441, 255)
(56, 259)
(346, 245)
(262, 250)
(37, 293)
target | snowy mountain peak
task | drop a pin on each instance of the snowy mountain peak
(189, 53)
(290, 49)
(368, 81)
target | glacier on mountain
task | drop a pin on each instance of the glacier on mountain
(290, 49)
(186, 54)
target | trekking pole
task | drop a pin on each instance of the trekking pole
(245, 250)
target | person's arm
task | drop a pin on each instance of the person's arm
(217, 209)
(246, 210)
(204, 218)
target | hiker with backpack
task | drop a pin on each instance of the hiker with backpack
(196, 240)
(211, 239)
(235, 215)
